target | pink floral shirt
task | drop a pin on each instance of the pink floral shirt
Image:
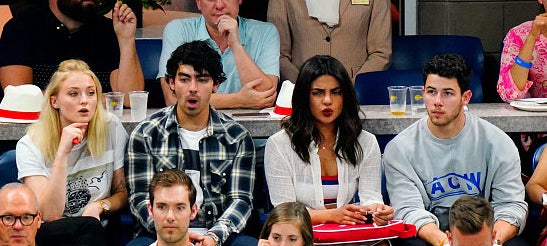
(537, 77)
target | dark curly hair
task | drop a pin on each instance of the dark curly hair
(300, 125)
(199, 55)
(449, 66)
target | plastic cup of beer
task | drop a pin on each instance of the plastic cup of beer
(114, 103)
(417, 105)
(138, 101)
(397, 99)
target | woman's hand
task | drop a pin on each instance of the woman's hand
(93, 209)
(69, 133)
(539, 26)
(349, 214)
(381, 214)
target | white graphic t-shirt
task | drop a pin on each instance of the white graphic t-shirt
(88, 179)
(192, 166)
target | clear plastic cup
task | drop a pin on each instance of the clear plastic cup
(114, 103)
(417, 105)
(397, 99)
(138, 101)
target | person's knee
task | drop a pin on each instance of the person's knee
(516, 241)
(90, 224)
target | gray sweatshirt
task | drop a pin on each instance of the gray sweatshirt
(424, 172)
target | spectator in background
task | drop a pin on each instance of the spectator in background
(322, 157)
(172, 206)
(249, 50)
(524, 59)
(471, 221)
(20, 215)
(358, 33)
(523, 72)
(289, 223)
(450, 153)
(35, 41)
(72, 158)
(214, 150)
(536, 190)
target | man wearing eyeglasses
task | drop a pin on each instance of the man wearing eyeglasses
(19, 215)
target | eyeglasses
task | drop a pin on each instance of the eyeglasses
(26, 219)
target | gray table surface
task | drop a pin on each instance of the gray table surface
(378, 120)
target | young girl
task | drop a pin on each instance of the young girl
(288, 224)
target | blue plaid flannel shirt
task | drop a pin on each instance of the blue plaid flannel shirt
(227, 158)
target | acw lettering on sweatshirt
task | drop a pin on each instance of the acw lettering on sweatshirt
(454, 184)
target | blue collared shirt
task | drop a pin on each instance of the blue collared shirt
(259, 39)
(227, 159)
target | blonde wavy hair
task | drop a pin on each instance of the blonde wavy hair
(46, 132)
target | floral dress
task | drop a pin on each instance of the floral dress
(536, 86)
(537, 78)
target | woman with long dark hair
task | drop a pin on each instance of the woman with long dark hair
(322, 157)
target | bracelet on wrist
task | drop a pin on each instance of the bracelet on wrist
(214, 237)
(522, 63)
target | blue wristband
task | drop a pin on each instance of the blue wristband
(522, 63)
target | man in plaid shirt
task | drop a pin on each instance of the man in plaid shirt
(214, 150)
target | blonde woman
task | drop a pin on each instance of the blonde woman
(72, 159)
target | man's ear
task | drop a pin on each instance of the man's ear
(215, 88)
(38, 220)
(449, 236)
(466, 97)
(171, 83)
(194, 212)
(150, 212)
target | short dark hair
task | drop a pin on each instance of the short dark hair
(170, 178)
(292, 212)
(199, 55)
(468, 214)
(449, 66)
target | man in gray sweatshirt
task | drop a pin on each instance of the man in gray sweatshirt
(451, 153)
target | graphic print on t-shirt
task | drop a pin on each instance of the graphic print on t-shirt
(454, 184)
(86, 186)
(192, 166)
(77, 195)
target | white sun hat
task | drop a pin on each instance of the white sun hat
(21, 104)
(283, 104)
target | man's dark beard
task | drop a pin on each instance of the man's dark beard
(75, 10)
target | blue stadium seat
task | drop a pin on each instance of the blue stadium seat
(149, 51)
(8, 168)
(410, 53)
(537, 155)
